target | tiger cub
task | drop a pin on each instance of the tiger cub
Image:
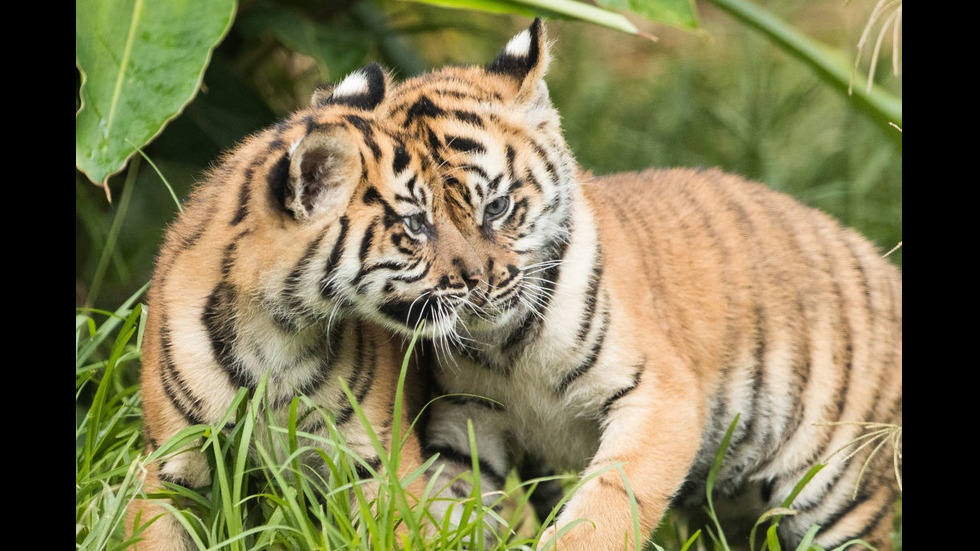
(617, 325)
(257, 277)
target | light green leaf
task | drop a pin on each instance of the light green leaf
(680, 13)
(141, 62)
(572, 9)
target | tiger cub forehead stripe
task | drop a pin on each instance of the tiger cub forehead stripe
(422, 108)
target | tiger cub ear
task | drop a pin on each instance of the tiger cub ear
(324, 168)
(524, 58)
(365, 89)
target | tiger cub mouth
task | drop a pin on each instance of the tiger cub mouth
(447, 311)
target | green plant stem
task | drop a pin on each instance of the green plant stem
(117, 222)
(877, 104)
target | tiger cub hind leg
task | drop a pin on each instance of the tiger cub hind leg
(255, 285)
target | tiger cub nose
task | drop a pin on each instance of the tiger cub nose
(470, 271)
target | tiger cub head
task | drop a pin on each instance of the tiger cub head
(323, 217)
(491, 227)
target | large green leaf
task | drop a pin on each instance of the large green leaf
(141, 62)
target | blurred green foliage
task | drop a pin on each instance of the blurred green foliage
(720, 96)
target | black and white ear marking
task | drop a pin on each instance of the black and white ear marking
(364, 89)
(324, 168)
(523, 55)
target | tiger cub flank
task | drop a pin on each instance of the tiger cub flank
(617, 325)
(256, 278)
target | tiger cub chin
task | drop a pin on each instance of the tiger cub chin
(259, 276)
(617, 325)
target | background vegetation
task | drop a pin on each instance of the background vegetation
(710, 91)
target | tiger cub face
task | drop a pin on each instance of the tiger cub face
(486, 232)
(360, 184)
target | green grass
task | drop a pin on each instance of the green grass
(264, 496)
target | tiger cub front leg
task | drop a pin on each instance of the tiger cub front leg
(448, 435)
(649, 441)
(155, 527)
(148, 520)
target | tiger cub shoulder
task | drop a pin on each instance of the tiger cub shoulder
(254, 284)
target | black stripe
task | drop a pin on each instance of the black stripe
(864, 495)
(590, 360)
(372, 197)
(174, 383)
(367, 132)
(218, 318)
(422, 108)
(468, 116)
(277, 181)
(529, 326)
(604, 482)
(511, 163)
(413, 278)
(842, 346)
(245, 191)
(435, 145)
(366, 366)
(326, 286)
(548, 493)
(366, 242)
(357, 373)
(320, 375)
(243, 194)
(364, 471)
(480, 401)
(464, 145)
(175, 480)
(464, 458)
(287, 321)
(637, 374)
(590, 298)
(407, 312)
(401, 160)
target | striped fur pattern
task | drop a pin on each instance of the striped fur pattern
(259, 277)
(617, 325)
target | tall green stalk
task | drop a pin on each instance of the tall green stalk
(876, 103)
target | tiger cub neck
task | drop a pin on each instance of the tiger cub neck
(529, 365)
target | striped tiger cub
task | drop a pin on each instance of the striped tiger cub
(617, 325)
(257, 277)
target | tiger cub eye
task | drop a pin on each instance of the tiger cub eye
(496, 208)
(415, 223)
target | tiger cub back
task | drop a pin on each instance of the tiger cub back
(616, 326)
(256, 278)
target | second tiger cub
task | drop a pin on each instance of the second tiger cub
(619, 324)
(256, 279)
